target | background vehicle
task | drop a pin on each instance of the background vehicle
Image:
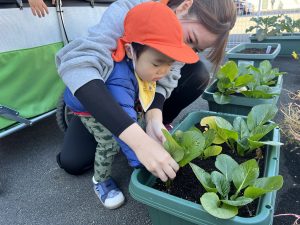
(30, 88)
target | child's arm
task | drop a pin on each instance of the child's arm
(152, 154)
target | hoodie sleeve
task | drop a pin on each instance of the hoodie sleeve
(166, 85)
(88, 58)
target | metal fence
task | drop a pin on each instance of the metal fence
(251, 8)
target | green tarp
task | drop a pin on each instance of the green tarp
(29, 82)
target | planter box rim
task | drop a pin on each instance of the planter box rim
(235, 53)
(295, 36)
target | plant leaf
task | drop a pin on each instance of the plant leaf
(245, 174)
(175, 150)
(228, 70)
(260, 34)
(260, 114)
(260, 131)
(242, 146)
(223, 84)
(209, 136)
(258, 94)
(221, 98)
(211, 123)
(224, 127)
(178, 136)
(212, 204)
(241, 127)
(263, 185)
(256, 144)
(222, 184)
(212, 151)
(191, 139)
(204, 178)
(265, 66)
(240, 201)
(226, 165)
(193, 142)
(243, 80)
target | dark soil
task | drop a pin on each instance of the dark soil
(256, 51)
(187, 186)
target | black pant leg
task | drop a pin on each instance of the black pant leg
(194, 79)
(78, 151)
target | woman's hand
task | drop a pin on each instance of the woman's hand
(154, 130)
(150, 153)
(155, 125)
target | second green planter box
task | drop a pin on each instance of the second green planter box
(239, 104)
(253, 53)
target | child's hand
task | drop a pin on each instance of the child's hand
(38, 7)
(150, 153)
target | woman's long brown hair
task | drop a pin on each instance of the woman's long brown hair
(218, 17)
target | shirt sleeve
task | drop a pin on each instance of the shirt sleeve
(100, 103)
(88, 58)
(166, 85)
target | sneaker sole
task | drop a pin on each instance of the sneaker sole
(110, 207)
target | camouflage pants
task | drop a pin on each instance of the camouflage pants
(106, 149)
(107, 146)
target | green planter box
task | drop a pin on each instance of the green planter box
(239, 105)
(253, 59)
(289, 43)
(165, 209)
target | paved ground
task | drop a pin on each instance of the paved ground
(34, 190)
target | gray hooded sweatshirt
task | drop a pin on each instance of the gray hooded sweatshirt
(89, 58)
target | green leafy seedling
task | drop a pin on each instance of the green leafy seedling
(231, 177)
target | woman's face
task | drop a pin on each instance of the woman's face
(196, 35)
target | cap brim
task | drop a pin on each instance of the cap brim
(182, 54)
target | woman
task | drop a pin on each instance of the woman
(86, 63)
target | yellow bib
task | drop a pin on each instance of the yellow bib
(146, 92)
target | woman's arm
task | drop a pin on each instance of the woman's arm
(89, 58)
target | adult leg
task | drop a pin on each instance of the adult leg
(194, 79)
(78, 151)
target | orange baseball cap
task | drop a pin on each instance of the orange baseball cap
(155, 25)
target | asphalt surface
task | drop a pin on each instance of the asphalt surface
(34, 190)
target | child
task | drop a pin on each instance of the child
(152, 41)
